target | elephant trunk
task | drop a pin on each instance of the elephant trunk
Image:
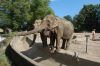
(36, 30)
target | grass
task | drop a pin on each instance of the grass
(3, 59)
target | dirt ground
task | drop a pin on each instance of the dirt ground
(93, 47)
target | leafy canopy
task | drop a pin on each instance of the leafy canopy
(16, 13)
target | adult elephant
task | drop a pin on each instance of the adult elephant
(43, 34)
(62, 28)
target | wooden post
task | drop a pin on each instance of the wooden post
(87, 42)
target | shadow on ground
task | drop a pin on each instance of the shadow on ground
(40, 54)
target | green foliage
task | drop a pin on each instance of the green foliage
(14, 13)
(4, 20)
(68, 17)
(40, 8)
(4, 10)
(88, 18)
(3, 60)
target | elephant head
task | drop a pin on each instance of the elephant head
(43, 23)
(48, 23)
(51, 22)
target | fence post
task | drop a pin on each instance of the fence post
(87, 36)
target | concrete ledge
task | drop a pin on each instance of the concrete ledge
(19, 58)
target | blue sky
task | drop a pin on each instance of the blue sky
(69, 7)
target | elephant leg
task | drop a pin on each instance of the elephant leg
(67, 44)
(58, 44)
(34, 38)
(52, 39)
(44, 39)
(52, 42)
(63, 44)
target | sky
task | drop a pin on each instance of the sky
(69, 7)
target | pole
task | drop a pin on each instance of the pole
(87, 42)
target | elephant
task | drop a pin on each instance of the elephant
(43, 34)
(63, 29)
(60, 28)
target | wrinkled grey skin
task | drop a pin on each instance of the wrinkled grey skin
(43, 33)
(62, 28)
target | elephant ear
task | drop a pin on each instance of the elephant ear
(52, 21)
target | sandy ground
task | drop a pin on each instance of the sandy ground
(79, 45)
(93, 47)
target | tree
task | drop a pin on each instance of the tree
(16, 13)
(68, 17)
(87, 18)
(4, 10)
(40, 8)
(98, 17)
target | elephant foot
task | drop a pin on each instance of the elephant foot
(52, 51)
(58, 50)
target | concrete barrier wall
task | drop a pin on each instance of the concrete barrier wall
(18, 58)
